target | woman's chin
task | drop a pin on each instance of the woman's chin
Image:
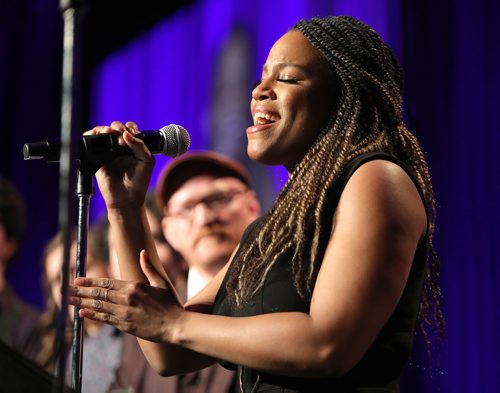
(261, 155)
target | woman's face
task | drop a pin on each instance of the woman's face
(291, 104)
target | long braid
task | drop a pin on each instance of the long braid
(366, 118)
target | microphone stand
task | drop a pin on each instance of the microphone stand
(69, 10)
(85, 191)
(89, 164)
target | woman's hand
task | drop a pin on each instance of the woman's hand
(124, 181)
(146, 311)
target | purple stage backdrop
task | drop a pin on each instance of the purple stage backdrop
(196, 68)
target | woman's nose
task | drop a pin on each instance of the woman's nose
(264, 90)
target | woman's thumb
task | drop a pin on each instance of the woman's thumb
(154, 278)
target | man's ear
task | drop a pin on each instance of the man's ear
(169, 234)
(8, 249)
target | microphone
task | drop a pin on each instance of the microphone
(171, 140)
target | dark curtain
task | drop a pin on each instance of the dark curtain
(452, 63)
(450, 53)
(30, 96)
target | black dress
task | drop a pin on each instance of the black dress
(379, 370)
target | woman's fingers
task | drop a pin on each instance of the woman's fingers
(132, 126)
(115, 126)
(102, 289)
(130, 306)
(137, 146)
(126, 135)
(92, 303)
(112, 315)
(91, 132)
(100, 282)
(98, 316)
(118, 126)
(100, 298)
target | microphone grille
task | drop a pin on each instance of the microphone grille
(177, 140)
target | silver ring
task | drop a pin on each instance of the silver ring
(106, 295)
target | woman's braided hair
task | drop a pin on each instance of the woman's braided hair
(367, 117)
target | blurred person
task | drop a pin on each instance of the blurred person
(207, 201)
(171, 260)
(112, 360)
(17, 317)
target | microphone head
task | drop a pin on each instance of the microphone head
(177, 140)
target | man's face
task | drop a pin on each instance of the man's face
(205, 218)
(7, 248)
(54, 266)
(170, 260)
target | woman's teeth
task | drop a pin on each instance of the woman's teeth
(264, 118)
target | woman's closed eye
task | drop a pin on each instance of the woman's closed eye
(288, 79)
(283, 79)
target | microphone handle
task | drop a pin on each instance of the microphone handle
(93, 147)
(154, 141)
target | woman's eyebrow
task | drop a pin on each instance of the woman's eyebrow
(285, 64)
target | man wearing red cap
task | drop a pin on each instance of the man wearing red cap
(207, 201)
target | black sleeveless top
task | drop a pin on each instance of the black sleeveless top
(380, 368)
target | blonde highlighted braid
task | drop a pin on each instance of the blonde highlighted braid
(366, 118)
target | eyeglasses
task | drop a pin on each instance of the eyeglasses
(216, 203)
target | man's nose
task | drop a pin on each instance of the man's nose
(203, 215)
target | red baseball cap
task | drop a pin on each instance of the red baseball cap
(182, 168)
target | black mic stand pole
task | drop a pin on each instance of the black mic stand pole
(85, 190)
(69, 10)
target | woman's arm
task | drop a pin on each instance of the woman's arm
(378, 224)
(131, 235)
(123, 184)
